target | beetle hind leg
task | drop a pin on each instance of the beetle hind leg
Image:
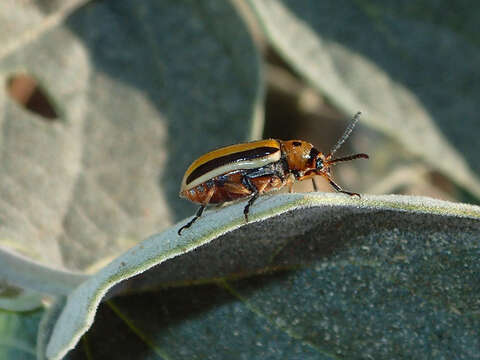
(199, 211)
(190, 223)
(256, 193)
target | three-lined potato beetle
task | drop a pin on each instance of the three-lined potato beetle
(251, 169)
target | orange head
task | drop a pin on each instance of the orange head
(305, 161)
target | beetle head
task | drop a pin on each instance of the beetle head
(323, 163)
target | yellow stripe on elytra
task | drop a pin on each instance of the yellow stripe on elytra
(227, 150)
(232, 149)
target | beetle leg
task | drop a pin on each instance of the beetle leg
(199, 211)
(314, 184)
(248, 184)
(246, 210)
(339, 189)
(290, 181)
(256, 192)
(197, 215)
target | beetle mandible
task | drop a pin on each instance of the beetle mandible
(251, 169)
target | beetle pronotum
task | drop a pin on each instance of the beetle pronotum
(251, 169)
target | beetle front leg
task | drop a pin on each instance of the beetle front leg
(339, 189)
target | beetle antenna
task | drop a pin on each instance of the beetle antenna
(346, 134)
(348, 158)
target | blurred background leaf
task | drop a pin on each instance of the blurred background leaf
(134, 92)
(13, 298)
(104, 105)
(18, 334)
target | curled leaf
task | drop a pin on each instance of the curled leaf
(270, 241)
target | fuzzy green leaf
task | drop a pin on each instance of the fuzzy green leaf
(139, 91)
(396, 241)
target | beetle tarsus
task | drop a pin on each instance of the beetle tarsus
(197, 215)
(350, 193)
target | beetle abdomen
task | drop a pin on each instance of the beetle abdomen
(229, 187)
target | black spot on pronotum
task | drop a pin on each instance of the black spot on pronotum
(26, 91)
(296, 143)
(313, 153)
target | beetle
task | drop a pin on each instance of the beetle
(251, 169)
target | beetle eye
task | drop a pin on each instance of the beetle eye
(319, 163)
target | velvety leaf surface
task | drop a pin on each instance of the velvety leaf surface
(362, 262)
(131, 86)
(17, 269)
(411, 69)
(325, 311)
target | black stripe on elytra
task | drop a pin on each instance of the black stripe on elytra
(230, 158)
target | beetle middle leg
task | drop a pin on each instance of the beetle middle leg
(249, 185)
(247, 181)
